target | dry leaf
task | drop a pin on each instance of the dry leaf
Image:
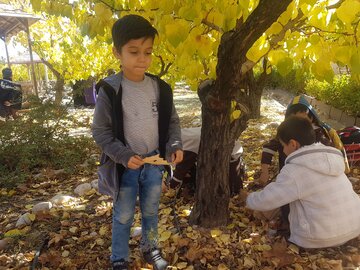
(65, 253)
(181, 265)
(164, 236)
(215, 233)
(194, 253)
(156, 160)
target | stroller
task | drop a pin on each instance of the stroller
(350, 137)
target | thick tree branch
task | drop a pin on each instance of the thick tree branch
(235, 44)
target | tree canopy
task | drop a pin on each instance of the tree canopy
(309, 33)
(224, 41)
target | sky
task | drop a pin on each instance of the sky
(13, 50)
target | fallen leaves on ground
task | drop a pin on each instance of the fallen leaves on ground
(77, 235)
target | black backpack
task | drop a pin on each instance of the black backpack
(350, 135)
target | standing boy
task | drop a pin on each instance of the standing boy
(134, 118)
(324, 209)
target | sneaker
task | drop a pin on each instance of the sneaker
(154, 258)
(120, 265)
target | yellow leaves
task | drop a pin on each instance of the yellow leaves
(193, 70)
(13, 233)
(342, 54)
(216, 18)
(102, 11)
(235, 112)
(225, 238)
(317, 17)
(314, 39)
(166, 211)
(263, 247)
(103, 230)
(190, 12)
(181, 265)
(258, 50)
(274, 29)
(203, 46)
(215, 233)
(164, 236)
(36, 4)
(281, 60)
(348, 10)
(322, 69)
(355, 62)
(166, 7)
(275, 56)
(32, 217)
(99, 241)
(17, 232)
(177, 32)
(222, 266)
(286, 16)
(248, 262)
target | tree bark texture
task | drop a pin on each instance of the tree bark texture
(218, 134)
(60, 82)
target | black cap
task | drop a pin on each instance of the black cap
(7, 73)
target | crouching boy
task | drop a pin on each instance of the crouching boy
(324, 209)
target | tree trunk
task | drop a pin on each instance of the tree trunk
(213, 170)
(60, 82)
(218, 134)
(59, 90)
(256, 88)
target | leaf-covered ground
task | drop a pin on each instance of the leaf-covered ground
(76, 234)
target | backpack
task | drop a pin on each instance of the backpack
(350, 135)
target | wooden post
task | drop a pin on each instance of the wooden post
(7, 52)
(31, 58)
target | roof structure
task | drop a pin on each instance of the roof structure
(12, 21)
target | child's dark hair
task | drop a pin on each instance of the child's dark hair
(131, 27)
(296, 128)
(295, 108)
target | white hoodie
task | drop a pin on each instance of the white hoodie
(324, 209)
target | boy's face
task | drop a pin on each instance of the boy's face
(301, 114)
(291, 147)
(135, 57)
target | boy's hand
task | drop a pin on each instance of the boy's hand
(264, 176)
(177, 157)
(135, 162)
(243, 196)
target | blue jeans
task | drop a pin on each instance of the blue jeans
(147, 180)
